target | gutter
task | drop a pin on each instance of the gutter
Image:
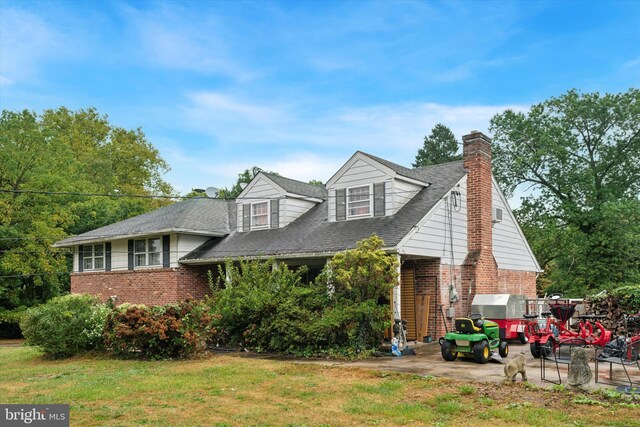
(79, 240)
(325, 254)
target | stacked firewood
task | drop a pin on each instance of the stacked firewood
(610, 307)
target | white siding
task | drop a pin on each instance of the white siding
(262, 189)
(432, 237)
(331, 204)
(293, 209)
(509, 246)
(179, 246)
(259, 189)
(402, 193)
(360, 173)
(185, 244)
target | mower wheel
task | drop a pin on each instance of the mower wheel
(522, 337)
(535, 349)
(503, 349)
(449, 350)
(481, 352)
(546, 349)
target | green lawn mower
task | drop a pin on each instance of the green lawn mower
(474, 337)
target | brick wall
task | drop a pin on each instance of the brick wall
(150, 286)
(517, 282)
(479, 266)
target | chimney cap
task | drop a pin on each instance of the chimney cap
(474, 135)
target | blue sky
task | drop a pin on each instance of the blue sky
(297, 87)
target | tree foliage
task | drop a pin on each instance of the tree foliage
(579, 155)
(69, 152)
(343, 312)
(440, 146)
(243, 179)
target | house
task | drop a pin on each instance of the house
(449, 225)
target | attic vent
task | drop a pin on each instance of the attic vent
(497, 215)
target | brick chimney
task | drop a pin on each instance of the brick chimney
(479, 269)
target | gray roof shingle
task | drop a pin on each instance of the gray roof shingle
(400, 170)
(313, 234)
(298, 187)
(198, 215)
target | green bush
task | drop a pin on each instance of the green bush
(628, 297)
(175, 330)
(265, 309)
(344, 312)
(66, 325)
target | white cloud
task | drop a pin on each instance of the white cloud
(300, 146)
(25, 41)
(175, 37)
(5, 81)
(217, 104)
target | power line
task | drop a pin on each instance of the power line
(71, 193)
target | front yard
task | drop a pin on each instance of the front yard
(233, 391)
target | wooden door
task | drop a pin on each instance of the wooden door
(423, 303)
(408, 301)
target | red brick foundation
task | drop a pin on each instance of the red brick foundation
(150, 286)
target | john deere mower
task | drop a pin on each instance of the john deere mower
(474, 337)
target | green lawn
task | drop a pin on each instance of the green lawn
(237, 391)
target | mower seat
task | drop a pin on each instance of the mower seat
(478, 321)
(466, 325)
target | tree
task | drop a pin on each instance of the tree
(65, 152)
(439, 147)
(579, 156)
(243, 179)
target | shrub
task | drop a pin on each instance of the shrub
(175, 330)
(65, 325)
(344, 312)
(265, 309)
(361, 279)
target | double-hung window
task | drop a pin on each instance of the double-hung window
(147, 252)
(93, 257)
(259, 215)
(359, 201)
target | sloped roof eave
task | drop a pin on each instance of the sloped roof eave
(73, 241)
(323, 254)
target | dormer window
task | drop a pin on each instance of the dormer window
(359, 201)
(259, 215)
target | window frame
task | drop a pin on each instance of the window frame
(146, 253)
(91, 255)
(252, 226)
(348, 202)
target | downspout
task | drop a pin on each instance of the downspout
(397, 313)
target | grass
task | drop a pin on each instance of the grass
(237, 391)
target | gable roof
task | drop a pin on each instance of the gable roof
(399, 169)
(313, 234)
(297, 187)
(383, 165)
(202, 216)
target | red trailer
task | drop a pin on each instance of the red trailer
(507, 310)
